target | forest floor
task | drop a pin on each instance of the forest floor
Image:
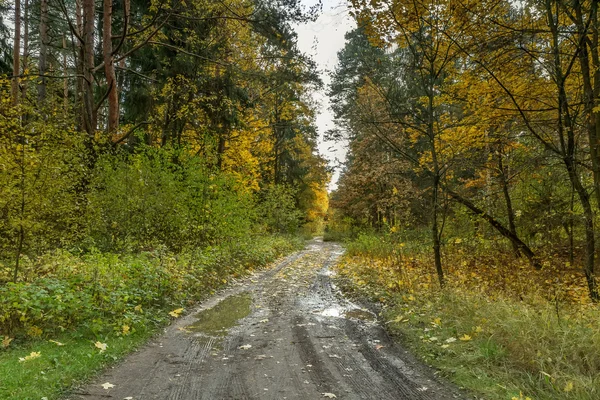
(285, 333)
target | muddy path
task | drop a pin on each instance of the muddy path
(285, 333)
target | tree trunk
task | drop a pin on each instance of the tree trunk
(503, 172)
(88, 67)
(16, 54)
(25, 59)
(588, 94)
(523, 248)
(43, 57)
(588, 214)
(65, 80)
(109, 68)
(79, 105)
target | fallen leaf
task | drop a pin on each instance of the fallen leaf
(379, 347)
(56, 343)
(33, 355)
(568, 387)
(260, 357)
(245, 347)
(465, 338)
(176, 313)
(107, 385)
(329, 395)
(128, 398)
(262, 321)
(451, 340)
(101, 346)
(6, 341)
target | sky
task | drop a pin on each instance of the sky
(322, 40)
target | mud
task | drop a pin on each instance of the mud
(286, 333)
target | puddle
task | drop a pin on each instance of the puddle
(331, 312)
(360, 314)
(217, 320)
(339, 311)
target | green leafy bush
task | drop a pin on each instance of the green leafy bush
(162, 196)
(277, 209)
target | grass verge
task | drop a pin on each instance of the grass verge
(501, 341)
(85, 313)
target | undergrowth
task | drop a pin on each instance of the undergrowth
(498, 328)
(73, 304)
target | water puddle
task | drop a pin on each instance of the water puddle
(339, 311)
(363, 315)
(216, 321)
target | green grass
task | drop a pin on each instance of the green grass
(59, 367)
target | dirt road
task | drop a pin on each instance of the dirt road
(285, 333)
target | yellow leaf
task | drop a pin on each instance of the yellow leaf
(101, 346)
(568, 386)
(465, 338)
(176, 313)
(6, 341)
(126, 329)
(31, 356)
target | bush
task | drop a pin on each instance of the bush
(277, 209)
(161, 196)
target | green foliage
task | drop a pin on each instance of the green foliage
(164, 196)
(41, 168)
(277, 209)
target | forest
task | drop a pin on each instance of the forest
(153, 151)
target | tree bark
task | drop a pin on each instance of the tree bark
(16, 54)
(25, 59)
(503, 172)
(65, 80)
(109, 68)
(42, 61)
(88, 67)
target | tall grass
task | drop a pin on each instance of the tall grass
(498, 328)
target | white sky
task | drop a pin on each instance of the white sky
(322, 40)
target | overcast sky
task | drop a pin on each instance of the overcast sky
(322, 40)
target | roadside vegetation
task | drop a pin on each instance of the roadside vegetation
(496, 328)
